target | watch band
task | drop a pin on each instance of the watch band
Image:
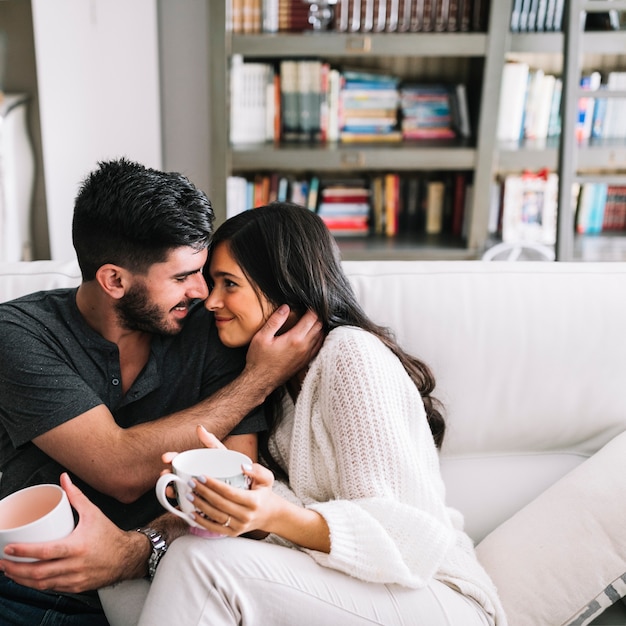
(159, 548)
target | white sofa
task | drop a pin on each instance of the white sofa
(530, 360)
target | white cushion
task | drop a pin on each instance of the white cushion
(561, 560)
(20, 278)
(488, 489)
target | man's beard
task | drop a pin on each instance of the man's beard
(137, 312)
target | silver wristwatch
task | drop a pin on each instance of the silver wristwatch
(159, 548)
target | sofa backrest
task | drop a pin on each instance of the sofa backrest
(21, 277)
(530, 361)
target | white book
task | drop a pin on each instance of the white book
(515, 15)
(236, 195)
(542, 10)
(270, 16)
(248, 101)
(512, 101)
(334, 89)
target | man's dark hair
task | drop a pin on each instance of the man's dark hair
(133, 216)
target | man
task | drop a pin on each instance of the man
(99, 381)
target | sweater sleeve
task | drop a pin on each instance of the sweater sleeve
(374, 455)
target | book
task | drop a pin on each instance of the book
(309, 73)
(435, 190)
(378, 204)
(542, 10)
(458, 203)
(441, 12)
(404, 15)
(465, 15)
(515, 15)
(554, 122)
(459, 111)
(393, 15)
(453, 16)
(532, 16)
(589, 82)
(236, 195)
(524, 15)
(355, 16)
(529, 207)
(479, 15)
(289, 100)
(380, 16)
(512, 101)
(550, 10)
(392, 206)
(417, 16)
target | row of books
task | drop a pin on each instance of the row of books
(530, 101)
(308, 100)
(600, 208)
(273, 16)
(537, 15)
(410, 15)
(525, 207)
(547, 15)
(385, 204)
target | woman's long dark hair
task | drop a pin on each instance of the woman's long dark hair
(287, 252)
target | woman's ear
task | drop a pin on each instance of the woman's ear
(290, 322)
(112, 280)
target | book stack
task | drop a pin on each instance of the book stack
(369, 107)
(345, 207)
(426, 111)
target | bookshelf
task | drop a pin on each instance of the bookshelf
(480, 59)
(477, 58)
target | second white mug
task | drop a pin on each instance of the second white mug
(225, 465)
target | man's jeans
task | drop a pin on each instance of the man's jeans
(22, 606)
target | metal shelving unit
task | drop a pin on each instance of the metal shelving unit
(573, 159)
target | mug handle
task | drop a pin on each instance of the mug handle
(160, 488)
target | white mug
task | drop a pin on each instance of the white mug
(225, 465)
(34, 514)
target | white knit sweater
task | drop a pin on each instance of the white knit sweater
(358, 449)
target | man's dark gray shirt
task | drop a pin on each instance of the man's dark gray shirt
(54, 367)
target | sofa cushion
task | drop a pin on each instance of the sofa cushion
(561, 560)
(500, 484)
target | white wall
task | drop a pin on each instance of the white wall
(98, 82)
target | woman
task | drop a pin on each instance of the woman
(349, 494)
